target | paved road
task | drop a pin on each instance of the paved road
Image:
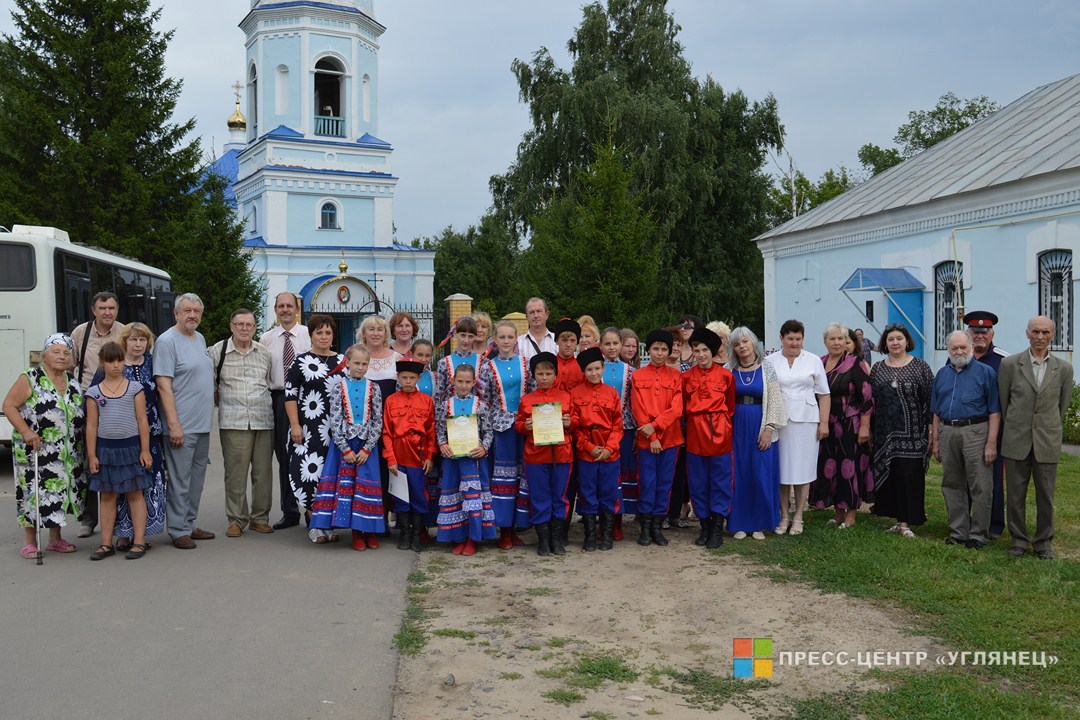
(259, 626)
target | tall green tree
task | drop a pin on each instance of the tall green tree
(789, 199)
(926, 128)
(698, 153)
(593, 249)
(209, 258)
(479, 262)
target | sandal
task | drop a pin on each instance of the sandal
(896, 529)
(332, 536)
(783, 526)
(136, 551)
(797, 527)
(123, 544)
(317, 536)
(61, 546)
(103, 552)
(907, 532)
(30, 552)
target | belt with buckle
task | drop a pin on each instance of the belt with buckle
(966, 422)
(747, 400)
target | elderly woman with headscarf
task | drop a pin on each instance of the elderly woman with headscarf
(45, 409)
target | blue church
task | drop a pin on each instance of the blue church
(312, 180)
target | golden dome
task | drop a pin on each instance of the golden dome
(237, 121)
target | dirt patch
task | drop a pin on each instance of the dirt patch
(634, 632)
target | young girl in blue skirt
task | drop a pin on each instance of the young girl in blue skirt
(118, 450)
(465, 514)
(350, 490)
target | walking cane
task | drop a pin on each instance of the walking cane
(37, 510)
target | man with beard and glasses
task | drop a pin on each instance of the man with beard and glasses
(967, 415)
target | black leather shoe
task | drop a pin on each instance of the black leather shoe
(287, 522)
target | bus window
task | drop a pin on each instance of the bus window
(77, 295)
(17, 271)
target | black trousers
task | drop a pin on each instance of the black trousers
(290, 509)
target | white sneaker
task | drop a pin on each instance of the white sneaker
(85, 530)
(758, 535)
(739, 535)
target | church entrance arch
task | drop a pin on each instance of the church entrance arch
(348, 300)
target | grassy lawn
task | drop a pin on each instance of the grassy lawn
(972, 600)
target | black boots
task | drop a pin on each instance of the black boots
(416, 526)
(404, 522)
(646, 527)
(703, 536)
(557, 536)
(590, 532)
(543, 539)
(607, 530)
(656, 527)
(716, 532)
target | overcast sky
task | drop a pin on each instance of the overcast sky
(844, 73)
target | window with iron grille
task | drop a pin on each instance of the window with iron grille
(1055, 295)
(948, 296)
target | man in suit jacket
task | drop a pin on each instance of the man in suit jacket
(1035, 388)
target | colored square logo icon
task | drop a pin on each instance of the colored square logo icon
(752, 658)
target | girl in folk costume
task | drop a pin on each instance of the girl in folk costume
(350, 491)
(465, 514)
(507, 378)
(617, 374)
(464, 336)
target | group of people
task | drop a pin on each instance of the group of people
(509, 432)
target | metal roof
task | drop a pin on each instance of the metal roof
(894, 279)
(1034, 135)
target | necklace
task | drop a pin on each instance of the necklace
(112, 391)
(747, 380)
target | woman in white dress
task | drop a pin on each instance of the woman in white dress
(805, 391)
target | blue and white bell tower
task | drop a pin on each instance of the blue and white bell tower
(314, 184)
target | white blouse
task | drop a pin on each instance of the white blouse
(800, 384)
(383, 368)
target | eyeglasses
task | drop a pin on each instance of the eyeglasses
(686, 326)
(895, 326)
(244, 326)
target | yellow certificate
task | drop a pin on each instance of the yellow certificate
(547, 428)
(462, 434)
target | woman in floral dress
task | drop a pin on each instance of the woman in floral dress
(45, 409)
(307, 405)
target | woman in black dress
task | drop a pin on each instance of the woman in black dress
(902, 385)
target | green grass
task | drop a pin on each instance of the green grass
(541, 591)
(975, 601)
(510, 676)
(708, 691)
(597, 715)
(558, 642)
(563, 697)
(455, 633)
(411, 638)
(605, 667)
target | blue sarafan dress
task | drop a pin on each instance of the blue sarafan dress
(505, 380)
(350, 495)
(617, 375)
(756, 502)
(465, 499)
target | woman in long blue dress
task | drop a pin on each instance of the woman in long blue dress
(137, 341)
(759, 414)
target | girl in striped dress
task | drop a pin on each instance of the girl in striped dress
(350, 490)
(465, 514)
(506, 377)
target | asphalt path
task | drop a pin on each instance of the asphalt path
(261, 626)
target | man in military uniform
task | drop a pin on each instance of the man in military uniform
(981, 324)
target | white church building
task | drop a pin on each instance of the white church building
(988, 219)
(312, 179)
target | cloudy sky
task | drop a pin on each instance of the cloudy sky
(844, 73)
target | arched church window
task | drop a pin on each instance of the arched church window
(948, 298)
(1055, 295)
(329, 98)
(328, 217)
(253, 99)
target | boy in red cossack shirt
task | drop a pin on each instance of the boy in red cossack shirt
(409, 448)
(657, 403)
(596, 416)
(547, 467)
(709, 403)
(568, 374)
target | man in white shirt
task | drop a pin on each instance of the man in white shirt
(285, 341)
(538, 339)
